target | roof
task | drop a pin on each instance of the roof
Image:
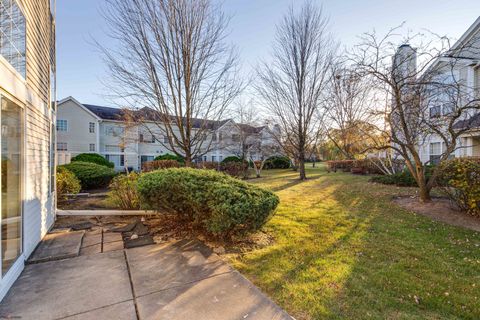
(250, 129)
(106, 113)
(146, 114)
(472, 122)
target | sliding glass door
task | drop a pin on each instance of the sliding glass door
(11, 180)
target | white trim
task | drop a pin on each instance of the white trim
(12, 275)
(475, 27)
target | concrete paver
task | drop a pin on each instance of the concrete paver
(224, 297)
(158, 267)
(56, 246)
(62, 288)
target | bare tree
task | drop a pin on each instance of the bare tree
(173, 58)
(424, 94)
(292, 83)
(347, 113)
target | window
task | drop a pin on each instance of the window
(435, 111)
(62, 146)
(91, 127)
(153, 139)
(117, 159)
(91, 147)
(235, 137)
(146, 158)
(448, 109)
(13, 35)
(140, 138)
(214, 158)
(165, 139)
(435, 152)
(113, 130)
(205, 158)
(12, 176)
(62, 125)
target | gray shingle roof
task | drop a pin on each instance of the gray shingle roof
(472, 122)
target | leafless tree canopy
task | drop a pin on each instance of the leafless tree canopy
(292, 84)
(346, 114)
(173, 58)
(420, 93)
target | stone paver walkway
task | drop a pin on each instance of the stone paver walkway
(177, 280)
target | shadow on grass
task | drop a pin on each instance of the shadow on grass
(344, 251)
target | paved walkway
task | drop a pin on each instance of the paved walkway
(178, 280)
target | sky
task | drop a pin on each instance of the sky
(80, 68)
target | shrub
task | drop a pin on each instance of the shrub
(231, 159)
(67, 182)
(91, 175)
(207, 165)
(235, 169)
(168, 156)
(277, 162)
(93, 158)
(403, 178)
(159, 164)
(460, 179)
(215, 202)
(123, 191)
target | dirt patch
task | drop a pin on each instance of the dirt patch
(440, 209)
(90, 200)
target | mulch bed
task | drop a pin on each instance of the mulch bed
(440, 209)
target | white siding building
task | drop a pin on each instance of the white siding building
(84, 128)
(465, 70)
(27, 78)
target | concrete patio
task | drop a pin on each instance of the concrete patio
(177, 280)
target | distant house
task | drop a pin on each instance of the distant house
(85, 128)
(27, 79)
(466, 72)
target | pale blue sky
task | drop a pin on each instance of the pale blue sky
(80, 66)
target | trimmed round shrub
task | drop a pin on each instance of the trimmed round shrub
(91, 175)
(168, 156)
(93, 158)
(67, 183)
(215, 202)
(123, 191)
(231, 159)
(277, 163)
(460, 179)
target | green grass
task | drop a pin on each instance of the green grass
(342, 250)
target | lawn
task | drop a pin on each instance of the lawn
(342, 250)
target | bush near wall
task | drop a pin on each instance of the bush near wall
(159, 164)
(231, 159)
(363, 166)
(93, 158)
(235, 169)
(174, 157)
(277, 162)
(403, 178)
(123, 192)
(216, 203)
(460, 179)
(67, 183)
(91, 175)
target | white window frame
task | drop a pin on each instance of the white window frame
(62, 144)
(91, 147)
(61, 127)
(91, 127)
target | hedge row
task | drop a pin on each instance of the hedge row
(93, 158)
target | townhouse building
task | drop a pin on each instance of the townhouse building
(27, 90)
(461, 68)
(85, 128)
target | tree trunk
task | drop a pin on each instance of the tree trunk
(423, 189)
